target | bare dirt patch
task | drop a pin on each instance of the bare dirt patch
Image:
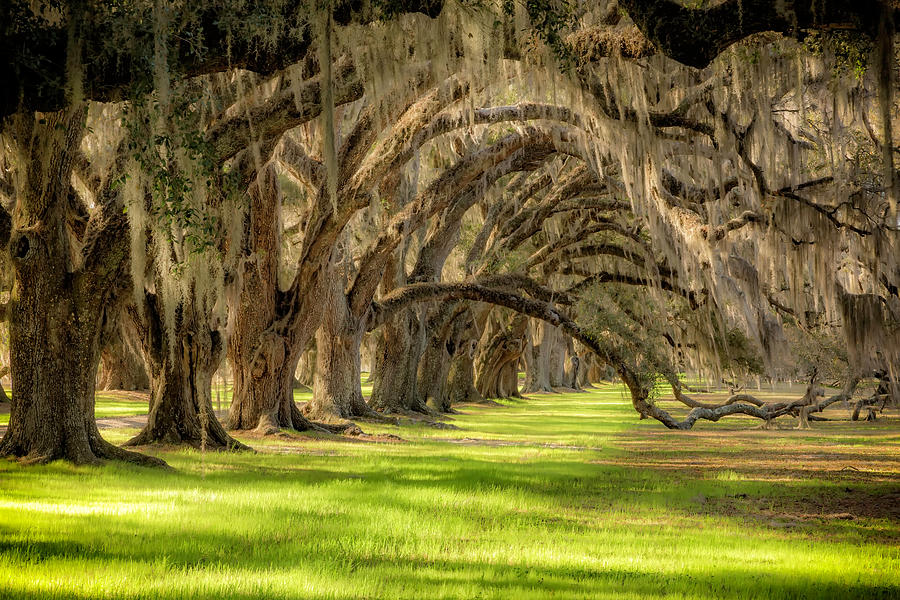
(818, 513)
(782, 478)
(835, 451)
(772, 464)
(803, 461)
(290, 436)
(135, 422)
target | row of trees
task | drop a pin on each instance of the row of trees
(478, 186)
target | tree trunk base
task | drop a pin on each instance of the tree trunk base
(538, 389)
(214, 440)
(178, 417)
(96, 452)
(294, 420)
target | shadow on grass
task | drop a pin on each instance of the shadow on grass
(433, 519)
(432, 578)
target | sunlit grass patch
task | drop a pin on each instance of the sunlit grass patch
(565, 496)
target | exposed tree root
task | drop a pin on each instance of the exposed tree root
(744, 404)
(217, 439)
(95, 452)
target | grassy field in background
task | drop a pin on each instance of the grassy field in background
(108, 404)
(554, 496)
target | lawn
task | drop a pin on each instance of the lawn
(555, 496)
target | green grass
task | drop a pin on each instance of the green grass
(556, 496)
(117, 404)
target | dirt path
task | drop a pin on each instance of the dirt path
(138, 421)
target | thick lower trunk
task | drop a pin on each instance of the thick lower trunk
(496, 366)
(433, 370)
(263, 353)
(396, 366)
(54, 353)
(337, 391)
(558, 367)
(121, 364)
(509, 380)
(461, 378)
(403, 380)
(537, 359)
(263, 390)
(181, 410)
(57, 313)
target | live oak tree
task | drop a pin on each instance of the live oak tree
(770, 150)
(71, 268)
(67, 289)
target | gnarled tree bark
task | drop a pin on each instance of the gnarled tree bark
(538, 353)
(121, 363)
(181, 365)
(496, 365)
(337, 391)
(58, 311)
(394, 389)
(263, 358)
(461, 377)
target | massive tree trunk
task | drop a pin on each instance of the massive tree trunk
(121, 364)
(461, 378)
(264, 358)
(181, 363)
(452, 325)
(337, 391)
(509, 379)
(396, 353)
(424, 329)
(263, 396)
(57, 312)
(54, 354)
(396, 365)
(558, 377)
(496, 364)
(537, 358)
(434, 367)
(264, 366)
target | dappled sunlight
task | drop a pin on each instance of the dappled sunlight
(105, 508)
(321, 518)
(306, 299)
